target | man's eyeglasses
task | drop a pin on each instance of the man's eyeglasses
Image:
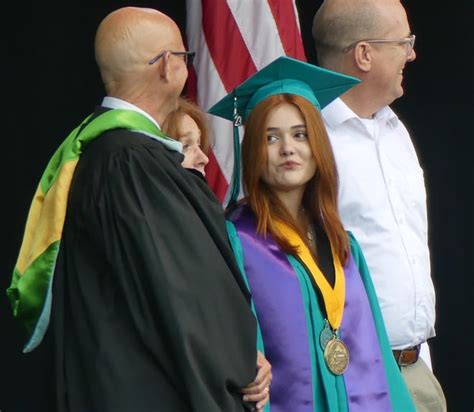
(409, 41)
(188, 56)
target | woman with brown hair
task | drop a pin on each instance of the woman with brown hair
(319, 321)
(188, 125)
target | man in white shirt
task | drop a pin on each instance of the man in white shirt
(382, 197)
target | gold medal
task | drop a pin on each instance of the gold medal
(336, 356)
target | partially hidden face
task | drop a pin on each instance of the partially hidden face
(190, 137)
(291, 163)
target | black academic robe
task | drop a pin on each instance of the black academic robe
(149, 311)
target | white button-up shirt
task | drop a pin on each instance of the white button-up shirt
(382, 200)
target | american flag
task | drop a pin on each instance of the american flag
(232, 40)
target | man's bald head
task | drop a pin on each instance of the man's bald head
(127, 39)
(339, 23)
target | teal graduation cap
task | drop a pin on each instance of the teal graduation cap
(284, 75)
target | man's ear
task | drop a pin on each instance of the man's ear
(165, 68)
(363, 56)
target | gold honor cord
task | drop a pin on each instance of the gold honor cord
(333, 298)
(336, 353)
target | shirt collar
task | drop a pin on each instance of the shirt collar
(116, 103)
(387, 115)
(337, 112)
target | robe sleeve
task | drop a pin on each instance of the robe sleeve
(237, 249)
(399, 395)
(170, 273)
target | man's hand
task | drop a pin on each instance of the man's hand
(259, 390)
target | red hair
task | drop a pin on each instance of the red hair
(171, 124)
(320, 195)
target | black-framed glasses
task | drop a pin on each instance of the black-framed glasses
(188, 56)
(409, 41)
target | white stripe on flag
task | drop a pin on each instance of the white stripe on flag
(258, 28)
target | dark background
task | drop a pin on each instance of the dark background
(50, 83)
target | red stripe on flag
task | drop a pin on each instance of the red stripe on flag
(215, 178)
(286, 21)
(221, 32)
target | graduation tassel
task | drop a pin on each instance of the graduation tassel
(235, 188)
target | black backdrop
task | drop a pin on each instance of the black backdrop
(50, 82)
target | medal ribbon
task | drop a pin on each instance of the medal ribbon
(333, 298)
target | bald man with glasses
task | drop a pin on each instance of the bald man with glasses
(125, 261)
(382, 196)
